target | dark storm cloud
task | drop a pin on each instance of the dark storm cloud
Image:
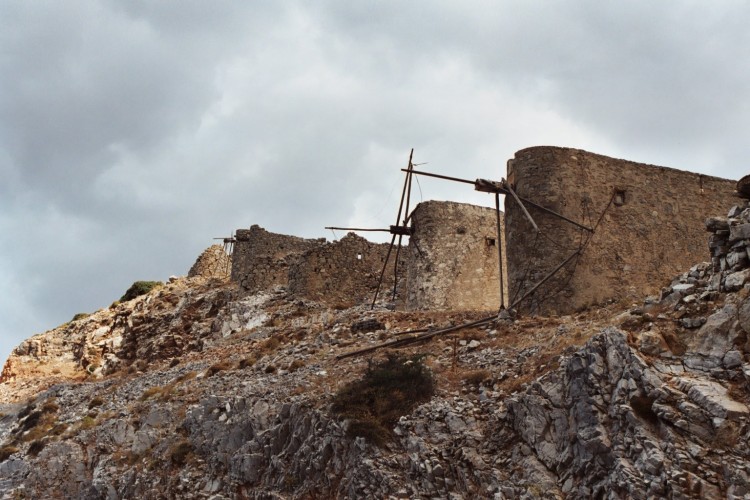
(131, 133)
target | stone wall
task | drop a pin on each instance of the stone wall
(342, 273)
(261, 259)
(452, 259)
(212, 263)
(650, 226)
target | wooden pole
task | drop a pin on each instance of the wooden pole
(417, 338)
(500, 250)
(357, 229)
(544, 280)
(406, 217)
(382, 273)
(526, 212)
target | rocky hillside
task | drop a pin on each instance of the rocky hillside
(193, 391)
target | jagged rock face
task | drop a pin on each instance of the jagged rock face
(611, 425)
(169, 321)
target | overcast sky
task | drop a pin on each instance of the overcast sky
(133, 132)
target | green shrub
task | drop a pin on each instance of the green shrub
(387, 391)
(80, 316)
(139, 288)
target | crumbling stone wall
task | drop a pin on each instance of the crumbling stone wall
(261, 259)
(212, 263)
(649, 220)
(452, 259)
(342, 273)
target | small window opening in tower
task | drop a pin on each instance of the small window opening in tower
(619, 199)
(359, 256)
(489, 241)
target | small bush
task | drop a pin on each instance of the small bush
(270, 369)
(80, 316)
(185, 376)
(139, 288)
(270, 344)
(26, 410)
(31, 420)
(247, 362)
(6, 451)
(151, 391)
(37, 424)
(58, 429)
(476, 377)
(96, 401)
(369, 428)
(87, 422)
(50, 407)
(218, 367)
(295, 365)
(387, 391)
(180, 452)
(36, 447)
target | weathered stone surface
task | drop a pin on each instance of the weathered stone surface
(733, 359)
(717, 336)
(452, 258)
(653, 344)
(739, 232)
(714, 224)
(712, 397)
(654, 226)
(261, 259)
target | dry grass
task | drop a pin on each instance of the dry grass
(180, 452)
(87, 422)
(472, 334)
(295, 365)
(247, 362)
(219, 367)
(150, 392)
(476, 377)
(185, 377)
(6, 451)
(270, 345)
